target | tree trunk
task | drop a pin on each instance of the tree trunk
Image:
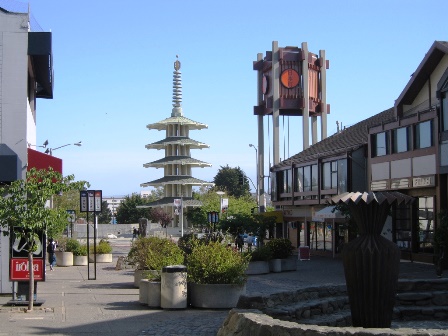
(31, 284)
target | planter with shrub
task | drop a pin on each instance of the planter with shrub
(151, 255)
(64, 254)
(103, 252)
(259, 261)
(80, 255)
(281, 249)
(216, 275)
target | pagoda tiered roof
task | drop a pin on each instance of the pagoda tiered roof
(182, 160)
(177, 140)
(178, 179)
(167, 201)
(177, 120)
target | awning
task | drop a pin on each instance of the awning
(10, 165)
(327, 213)
(41, 54)
(41, 160)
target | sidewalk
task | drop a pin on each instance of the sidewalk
(109, 305)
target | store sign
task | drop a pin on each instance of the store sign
(19, 269)
(423, 181)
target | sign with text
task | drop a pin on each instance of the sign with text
(19, 270)
(90, 200)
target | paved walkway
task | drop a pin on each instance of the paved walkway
(109, 305)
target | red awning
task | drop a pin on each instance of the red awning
(40, 160)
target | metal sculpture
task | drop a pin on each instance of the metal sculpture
(371, 262)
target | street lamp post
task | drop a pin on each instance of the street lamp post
(258, 174)
(220, 193)
(50, 150)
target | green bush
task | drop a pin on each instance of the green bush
(263, 253)
(81, 250)
(71, 245)
(161, 253)
(103, 247)
(152, 253)
(281, 248)
(215, 263)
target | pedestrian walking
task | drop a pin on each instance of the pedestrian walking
(134, 234)
(239, 242)
(51, 249)
(250, 241)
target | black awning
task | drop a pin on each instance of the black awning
(10, 165)
(40, 51)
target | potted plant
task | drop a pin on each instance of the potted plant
(281, 249)
(103, 252)
(80, 255)
(137, 257)
(216, 275)
(259, 260)
(160, 252)
(64, 255)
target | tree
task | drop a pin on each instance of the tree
(69, 200)
(158, 215)
(233, 181)
(127, 211)
(23, 210)
(105, 216)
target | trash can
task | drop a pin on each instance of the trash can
(174, 287)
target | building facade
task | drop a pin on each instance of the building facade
(410, 154)
(26, 74)
(402, 149)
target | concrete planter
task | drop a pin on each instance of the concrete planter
(154, 294)
(258, 267)
(143, 291)
(64, 259)
(102, 258)
(215, 296)
(80, 260)
(138, 275)
(289, 264)
(275, 265)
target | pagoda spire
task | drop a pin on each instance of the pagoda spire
(177, 90)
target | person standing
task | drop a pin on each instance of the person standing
(51, 249)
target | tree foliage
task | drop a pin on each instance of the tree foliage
(158, 215)
(105, 216)
(127, 211)
(23, 209)
(69, 200)
(233, 181)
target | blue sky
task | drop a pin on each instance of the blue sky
(113, 63)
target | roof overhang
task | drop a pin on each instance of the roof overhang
(421, 75)
(40, 52)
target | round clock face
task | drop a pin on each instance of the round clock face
(289, 78)
(265, 84)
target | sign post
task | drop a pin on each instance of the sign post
(91, 201)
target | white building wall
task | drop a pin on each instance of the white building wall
(14, 88)
(17, 124)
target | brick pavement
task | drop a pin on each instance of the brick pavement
(109, 305)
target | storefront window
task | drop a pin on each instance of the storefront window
(426, 223)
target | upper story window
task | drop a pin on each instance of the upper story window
(380, 144)
(401, 140)
(306, 178)
(330, 175)
(423, 135)
(284, 181)
(445, 112)
(334, 175)
(288, 180)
